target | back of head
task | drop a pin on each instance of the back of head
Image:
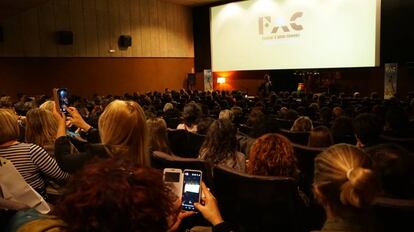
(320, 136)
(303, 123)
(157, 130)
(220, 142)
(41, 127)
(111, 196)
(204, 124)
(122, 126)
(367, 128)
(272, 155)
(343, 180)
(226, 114)
(9, 129)
(342, 126)
(48, 105)
(191, 114)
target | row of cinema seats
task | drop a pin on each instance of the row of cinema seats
(260, 203)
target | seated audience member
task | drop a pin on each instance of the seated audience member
(320, 136)
(226, 114)
(48, 105)
(302, 124)
(170, 111)
(220, 146)
(238, 115)
(32, 161)
(345, 186)
(367, 129)
(41, 129)
(325, 116)
(191, 116)
(393, 164)
(158, 138)
(272, 155)
(122, 130)
(204, 124)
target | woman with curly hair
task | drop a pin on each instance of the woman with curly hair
(220, 146)
(272, 155)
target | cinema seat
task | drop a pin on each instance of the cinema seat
(299, 137)
(185, 144)
(258, 203)
(394, 214)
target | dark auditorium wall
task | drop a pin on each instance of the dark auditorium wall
(85, 76)
(396, 46)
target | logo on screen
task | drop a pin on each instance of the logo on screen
(278, 28)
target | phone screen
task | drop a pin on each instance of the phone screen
(63, 100)
(191, 192)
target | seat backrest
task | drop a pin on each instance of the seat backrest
(299, 137)
(284, 123)
(306, 157)
(172, 122)
(258, 203)
(185, 144)
(395, 214)
(161, 160)
(407, 143)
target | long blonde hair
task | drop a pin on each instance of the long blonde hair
(122, 127)
(9, 129)
(41, 127)
(343, 179)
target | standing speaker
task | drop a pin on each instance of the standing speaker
(64, 37)
(125, 41)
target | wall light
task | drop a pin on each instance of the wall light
(221, 80)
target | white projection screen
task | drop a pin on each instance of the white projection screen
(295, 34)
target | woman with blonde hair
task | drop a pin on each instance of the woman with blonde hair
(32, 161)
(158, 138)
(41, 129)
(122, 131)
(345, 186)
(302, 124)
(48, 105)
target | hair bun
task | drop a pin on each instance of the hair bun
(357, 191)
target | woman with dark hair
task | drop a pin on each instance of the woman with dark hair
(220, 146)
(320, 136)
(191, 116)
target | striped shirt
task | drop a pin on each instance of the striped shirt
(34, 164)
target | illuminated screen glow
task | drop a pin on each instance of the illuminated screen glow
(295, 34)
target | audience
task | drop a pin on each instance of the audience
(345, 186)
(367, 129)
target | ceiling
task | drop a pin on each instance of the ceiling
(9, 8)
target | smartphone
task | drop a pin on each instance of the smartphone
(62, 99)
(174, 178)
(191, 189)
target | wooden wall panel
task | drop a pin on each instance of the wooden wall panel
(136, 28)
(47, 30)
(30, 30)
(77, 25)
(158, 29)
(90, 28)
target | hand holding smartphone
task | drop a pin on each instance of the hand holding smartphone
(191, 189)
(61, 97)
